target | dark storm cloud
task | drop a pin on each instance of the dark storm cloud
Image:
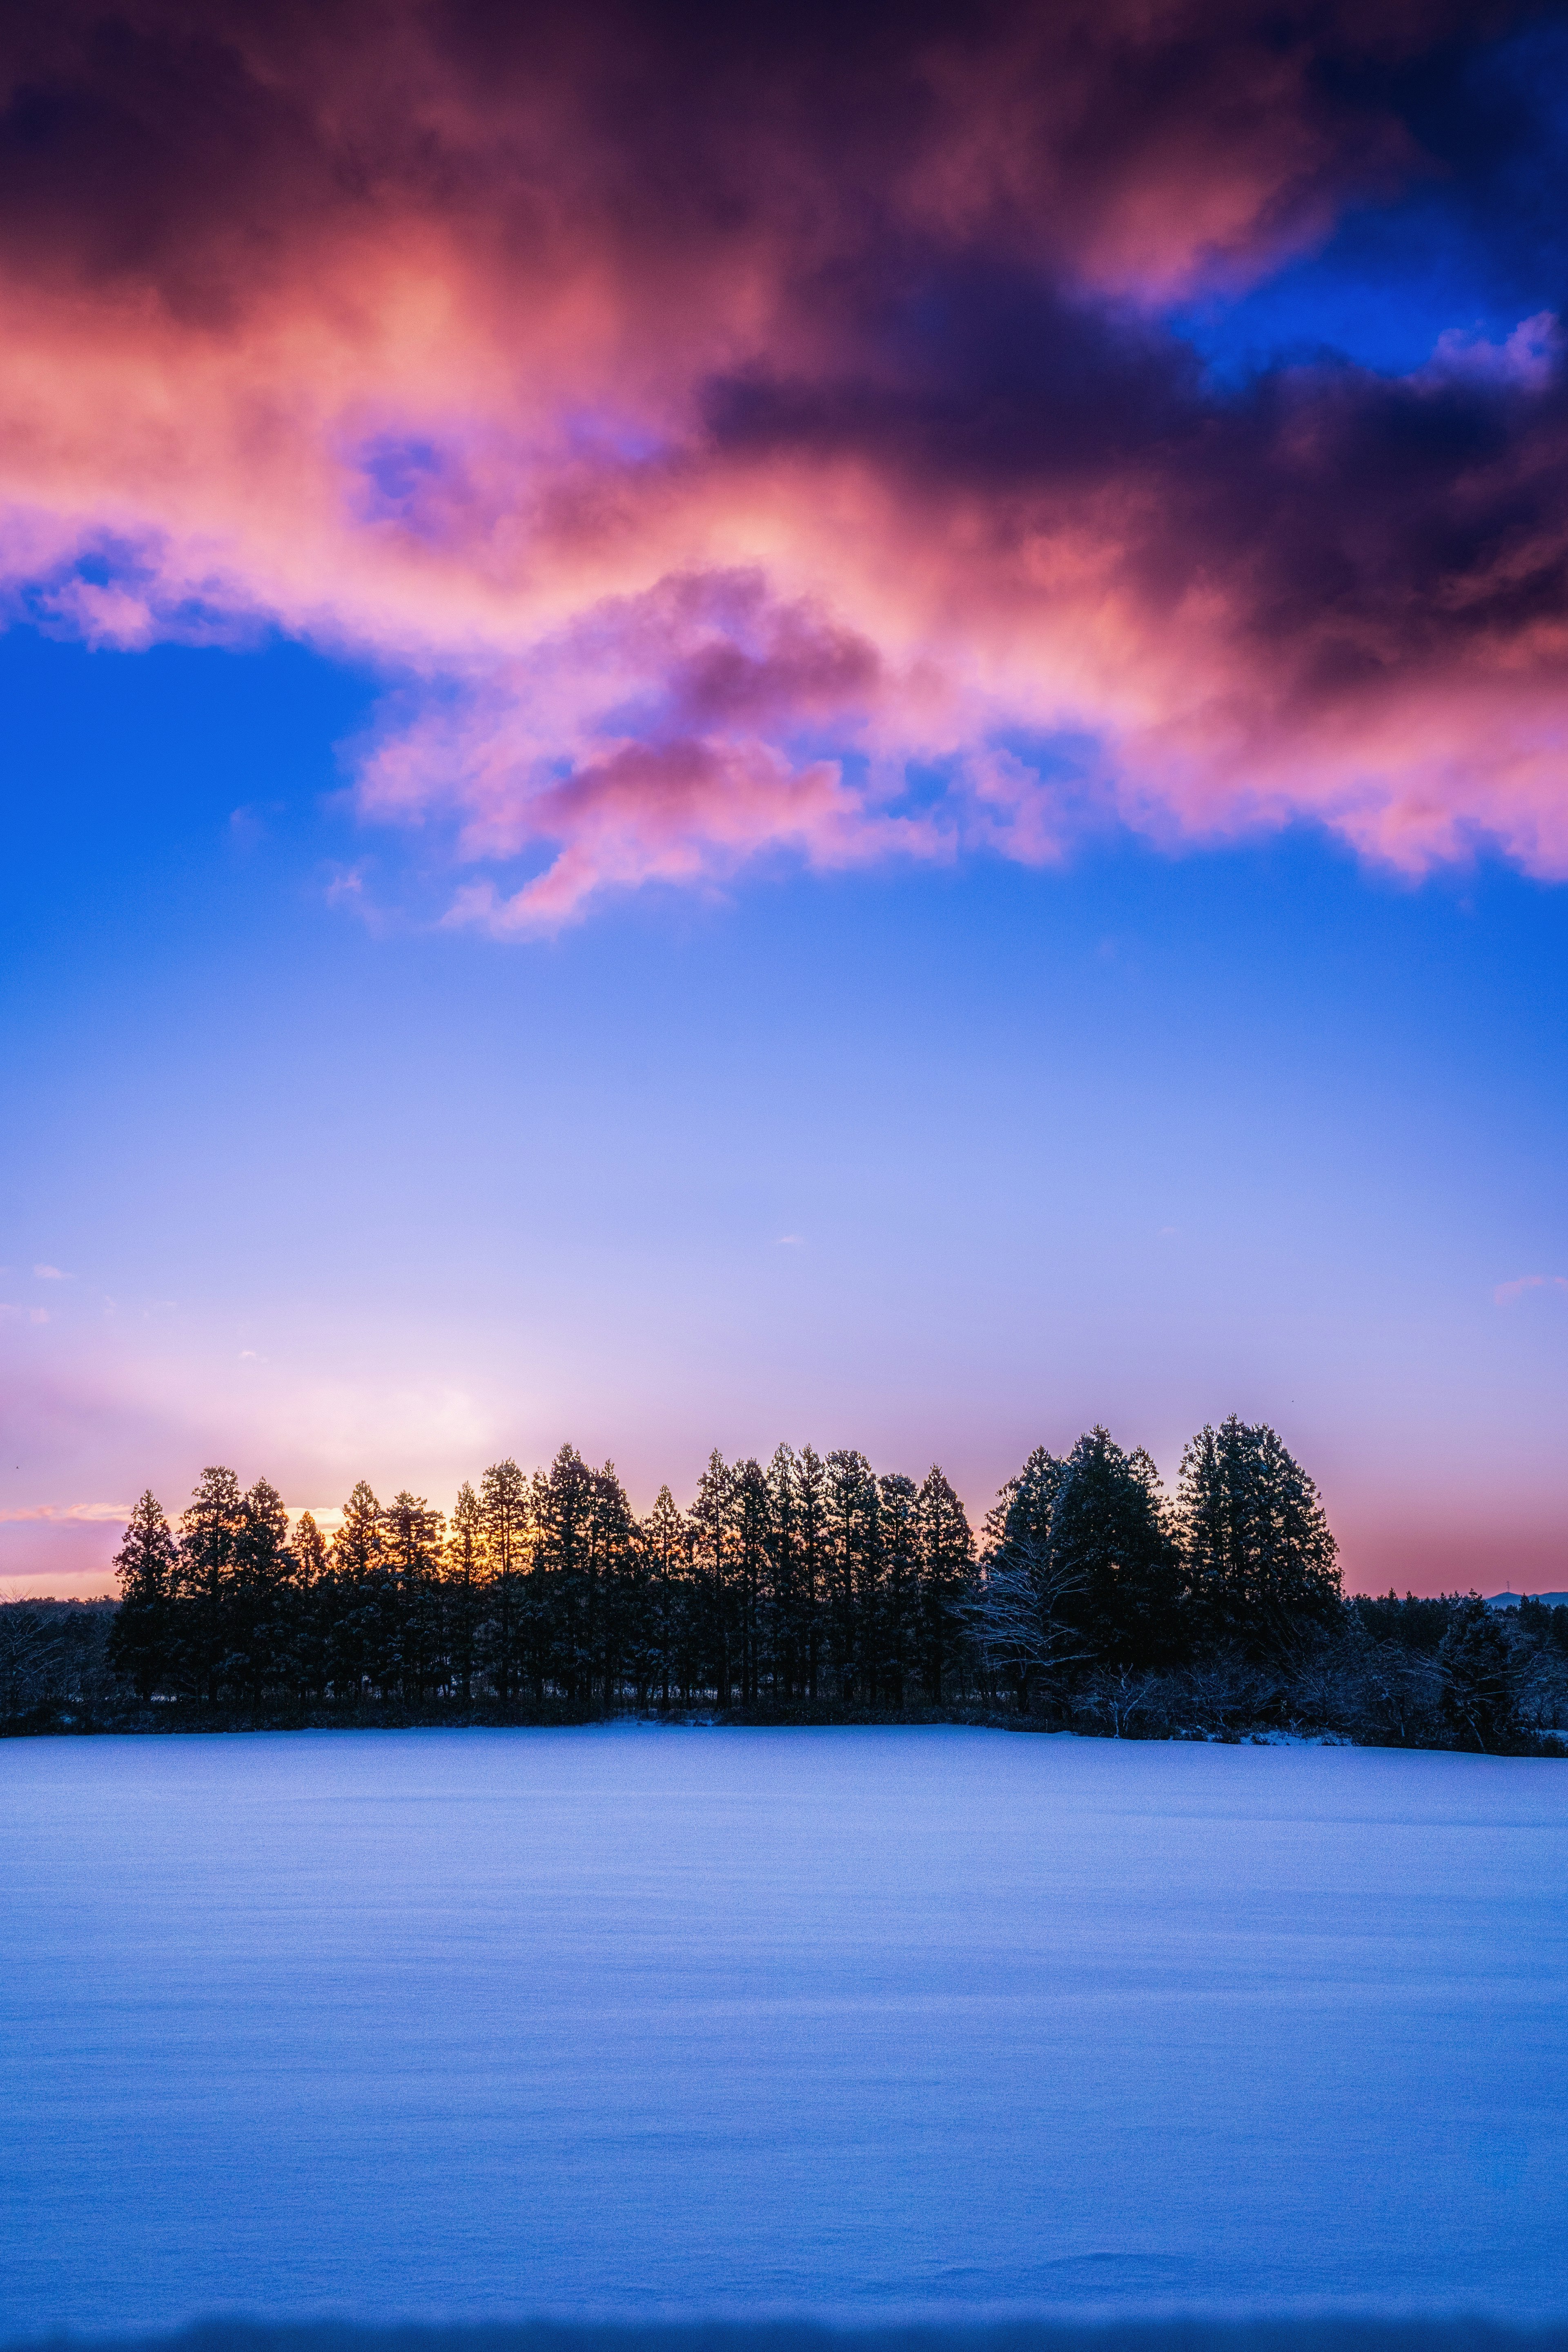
(784, 374)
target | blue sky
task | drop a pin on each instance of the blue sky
(1469, 240)
(870, 751)
(941, 1164)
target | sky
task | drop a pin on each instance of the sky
(725, 726)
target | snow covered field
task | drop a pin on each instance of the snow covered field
(484, 2024)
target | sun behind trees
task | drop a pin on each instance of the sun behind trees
(810, 1583)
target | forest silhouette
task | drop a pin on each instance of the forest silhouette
(809, 1589)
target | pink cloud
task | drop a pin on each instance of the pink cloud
(73, 1514)
(1507, 1291)
(706, 439)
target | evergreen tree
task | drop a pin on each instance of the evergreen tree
(639, 1657)
(1113, 1547)
(145, 1565)
(412, 1537)
(710, 1521)
(210, 1530)
(1477, 1696)
(504, 1515)
(1027, 1602)
(463, 1583)
(262, 1624)
(1259, 1554)
(610, 1572)
(564, 1580)
(783, 1628)
(896, 1634)
(811, 1523)
(852, 1567)
(1020, 1518)
(361, 1596)
(946, 1563)
(313, 1605)
(309, 1552)
(751, 1532)
(666, 1543)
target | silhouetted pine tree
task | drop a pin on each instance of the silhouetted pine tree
(359, 1593)
(852, 1565)
(262, 1619)
(946, 1560)
(462, 1585)
(896, 1630)
(782, 1631)
(145, 1564)
(413, 1551)
(565, 1500)
(710, 1531)
(313, 1607)
(812, 1547)
(1110, 1539)
(609, 1582)
(1026, 1604)
(210, 1529)
(1259, 1555)
(514, 1634)
(665, 1542)
(751, 1533)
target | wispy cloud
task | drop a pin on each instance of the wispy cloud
(73, 1514)
(1507, 1291)
(50, 1274)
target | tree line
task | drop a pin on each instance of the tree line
(809, 1589)
(809, 1581)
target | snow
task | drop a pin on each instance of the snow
(862, 2023)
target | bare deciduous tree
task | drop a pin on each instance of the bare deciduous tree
(1017, 1615)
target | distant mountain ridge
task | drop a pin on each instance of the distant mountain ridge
(1512, 1600)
